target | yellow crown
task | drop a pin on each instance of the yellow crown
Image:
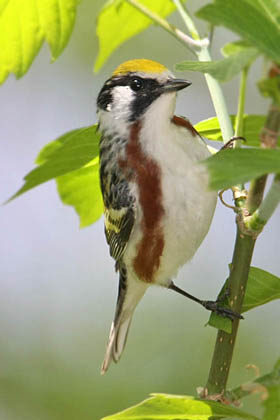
(140, 65)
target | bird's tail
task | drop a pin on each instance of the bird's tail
(130, 293)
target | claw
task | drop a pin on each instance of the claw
(210, 304)
(220, 310)
(229, 144)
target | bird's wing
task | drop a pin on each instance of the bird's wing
(119, 219)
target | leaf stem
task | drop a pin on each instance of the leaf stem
(177, 33)
(214, 87)
(269, 138)
(261, 216)
(271, 200)
(239, 130)
(239, 192)
(217, 98)
(187, 19)
(259, 384)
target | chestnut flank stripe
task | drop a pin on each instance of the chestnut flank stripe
(147, 175)
(184, 123)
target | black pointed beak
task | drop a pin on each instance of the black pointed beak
(172, 85)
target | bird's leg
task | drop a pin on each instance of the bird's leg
(210, 305)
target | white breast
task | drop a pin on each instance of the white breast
(189, 206)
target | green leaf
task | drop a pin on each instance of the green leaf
(254, 21)
(262, 287)
(118, 21)
(48, 150)
(81, 190)
(69, 152)
(253, 124)
(235, 47)
(237, 166)
(25, 24)
(272, 403)
(171, 407)
(3, 4)
(223, 70)
(217, 321)
(270, 8)
(72, 161)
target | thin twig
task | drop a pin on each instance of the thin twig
(181, 7)
(239, 128)
(177, 33)
(269, 137)
(214, 87)
(239, 131)
(217, 99)
(259, 384)
(271, 201)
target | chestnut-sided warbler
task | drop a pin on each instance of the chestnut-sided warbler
(158, 208)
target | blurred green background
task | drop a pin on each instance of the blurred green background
(58, 285)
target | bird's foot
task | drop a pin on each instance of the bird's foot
(214, 306)
(211, 305)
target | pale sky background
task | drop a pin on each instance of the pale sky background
(58, 285)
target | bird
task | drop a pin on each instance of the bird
(157, 205)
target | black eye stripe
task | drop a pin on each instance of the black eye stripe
(126, 80)
(146, 90)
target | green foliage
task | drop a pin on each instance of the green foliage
(171, 407)
(262, 287)
(235, 47)
(50, 148)
(118, 21)
(223, 70)
(237, 166)
(69, 152)
(25, 24)
(254, 20)
(72, 160)
(252, 126)
(81, 190)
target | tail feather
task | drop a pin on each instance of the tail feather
(130, 293)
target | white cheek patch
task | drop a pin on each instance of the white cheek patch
(120, 107)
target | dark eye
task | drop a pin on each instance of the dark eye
(136, 84)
